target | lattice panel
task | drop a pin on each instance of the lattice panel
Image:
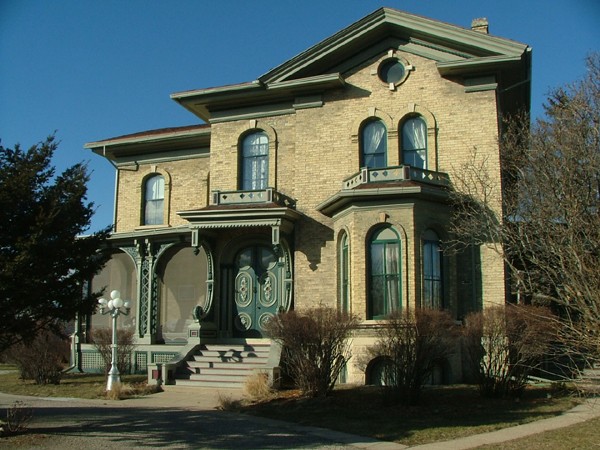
(141, 362)
(162, 357)
(145, 284)
(91, 360)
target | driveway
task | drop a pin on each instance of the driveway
(177, 418)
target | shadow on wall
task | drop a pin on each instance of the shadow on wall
(313, 238)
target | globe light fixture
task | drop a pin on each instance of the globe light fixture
(115, 307)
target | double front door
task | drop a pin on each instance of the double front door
(256, 290)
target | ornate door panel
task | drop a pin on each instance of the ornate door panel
(256, 292)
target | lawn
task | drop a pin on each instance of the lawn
(582, 436)
(446, 412)
(79, 385)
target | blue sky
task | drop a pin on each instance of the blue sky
(91, 69)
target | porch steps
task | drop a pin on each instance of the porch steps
(224, 365)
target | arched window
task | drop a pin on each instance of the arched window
(414, 142)
(154, 200)
(432, 271)
(384, 274)
(255, 161)
(374, 145)
(344, 274)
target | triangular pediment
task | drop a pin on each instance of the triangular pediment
(457, 52)
(389, 28)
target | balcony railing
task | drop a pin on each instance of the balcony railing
(268, 195)
(396, 173)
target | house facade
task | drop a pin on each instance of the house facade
(322, 183)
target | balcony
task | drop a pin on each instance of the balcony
(396, 174)
(387, 186)
(254, 197)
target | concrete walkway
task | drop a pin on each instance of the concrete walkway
(183, 417)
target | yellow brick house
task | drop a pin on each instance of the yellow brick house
(322, 182)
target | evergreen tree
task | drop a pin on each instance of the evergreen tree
(44, 262)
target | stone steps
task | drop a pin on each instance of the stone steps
(224, 365)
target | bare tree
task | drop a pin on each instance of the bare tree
(548, 228)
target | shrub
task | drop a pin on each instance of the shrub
(411, 346)
(102, 340)
(505, 344)
(17, 419)
(257, 387)
(42, 359)
(121, 391)
(316, 346)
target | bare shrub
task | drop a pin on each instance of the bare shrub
(121, 391)
(505, 344)
(102, 340)
(17, 419)
(412, 345)
(257, 387)
(227, 403)
(315, 346)
(42, 359)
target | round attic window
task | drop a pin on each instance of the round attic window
(393, 71)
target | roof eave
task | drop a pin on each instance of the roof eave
(201, 102)
(378, 24)
(477, 65)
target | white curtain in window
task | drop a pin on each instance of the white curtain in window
(392, 269)
(155, 194)
(414, 134)
(373, 134)
(255, 165)
(155, 188)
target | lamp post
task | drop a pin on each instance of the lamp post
(115, 307)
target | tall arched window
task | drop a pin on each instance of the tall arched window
(432, 271)
(374, 145)
(255, 161)
(154, 200)
(344, 273)
(384, 274)
(414, 142)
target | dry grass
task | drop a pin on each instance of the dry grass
(79, 385)
(122, 391)
(444, 413)
(257, 387)
(227, 403)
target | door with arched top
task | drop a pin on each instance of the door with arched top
(256, 291)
